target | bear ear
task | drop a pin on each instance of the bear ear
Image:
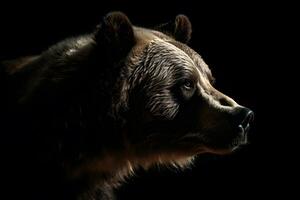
(180, 29)
(115, 34)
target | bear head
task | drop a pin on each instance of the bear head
(166, 94)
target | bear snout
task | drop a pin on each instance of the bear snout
(225, 129)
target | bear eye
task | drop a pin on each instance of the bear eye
(188, 84)
(188, 88)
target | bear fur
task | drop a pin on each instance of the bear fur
(81, 116)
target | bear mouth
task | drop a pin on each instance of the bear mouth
(241, 139)
(226, 142)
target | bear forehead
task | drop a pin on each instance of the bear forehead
(160, 52)
(163, 49)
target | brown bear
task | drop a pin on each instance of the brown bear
(82, 115)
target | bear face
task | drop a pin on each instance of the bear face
(175, 112)
(99, 105)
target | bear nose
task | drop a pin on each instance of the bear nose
(245, 118)
(248, 119)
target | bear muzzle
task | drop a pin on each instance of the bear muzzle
(224, 128)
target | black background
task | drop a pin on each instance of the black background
(241, 42)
